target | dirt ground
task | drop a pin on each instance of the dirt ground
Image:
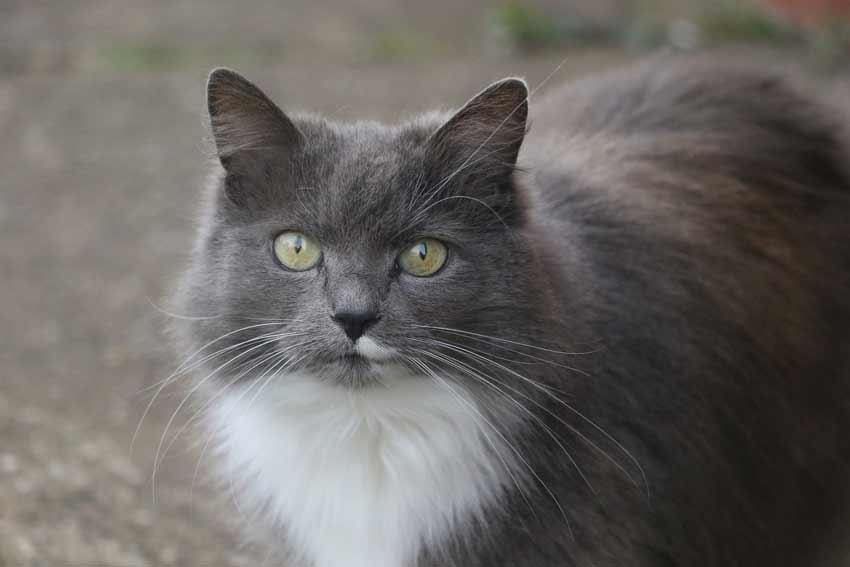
(101, 161)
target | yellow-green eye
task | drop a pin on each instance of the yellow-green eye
(423, 258)
(297, 251)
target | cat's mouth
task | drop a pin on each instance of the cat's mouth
(365, 353)
(363, 363)
(350, 369)
(352, 358)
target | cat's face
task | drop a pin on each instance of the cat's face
(350, 249)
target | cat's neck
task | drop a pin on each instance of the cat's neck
(362, 478)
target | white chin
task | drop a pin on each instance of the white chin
(371, 350)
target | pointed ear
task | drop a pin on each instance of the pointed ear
(485, 135)
(245, 123)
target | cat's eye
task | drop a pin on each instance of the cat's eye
(297, 251)
(423, 258)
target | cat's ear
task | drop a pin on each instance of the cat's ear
(245, 123)
(484, 137)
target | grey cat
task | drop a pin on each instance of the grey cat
(620, 337)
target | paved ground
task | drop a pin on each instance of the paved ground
(100, 164)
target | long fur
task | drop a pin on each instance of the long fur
(637, 353)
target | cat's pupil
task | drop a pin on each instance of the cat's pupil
(298, 244)
(423, 250)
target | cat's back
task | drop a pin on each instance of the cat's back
(706, 210)
(709, 200)
(696, 151)
(702, 96)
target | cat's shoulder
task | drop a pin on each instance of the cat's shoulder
(675, 91)
(695, 114)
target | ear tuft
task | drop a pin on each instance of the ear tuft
(244, 120)
(489, 129)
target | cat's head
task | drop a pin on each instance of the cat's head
(345, 248)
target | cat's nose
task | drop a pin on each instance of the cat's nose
(355, 323)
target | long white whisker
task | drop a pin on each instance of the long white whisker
(224, 336)
(184, 366)
(254, 364)
(531, 356)
(186, 398)
(287, 363)
(164, 383)
(561, 420)
(501, 340)
(178, 316)
(518, 454)
(206, 358)
(421, 364)
(276, 357)
(470, 371)
(534, 357)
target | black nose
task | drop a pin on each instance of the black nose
(355, 323)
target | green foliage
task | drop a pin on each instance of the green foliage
(733, 21)
(831, 44)
(642, 25)
(525, 27)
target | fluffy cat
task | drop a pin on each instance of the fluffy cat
(618, 338)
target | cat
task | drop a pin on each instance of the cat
(613, 331)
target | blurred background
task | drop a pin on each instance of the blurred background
(101, 160)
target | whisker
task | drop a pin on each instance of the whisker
(470, 371)
(515, 450)
(162, 384)
(186, 398)
(501, 340)
(263, 359)
(177, 316)
(562, 421)
(421, 365)
(275, 356)
(197, 471)
(180, 368)
(533, 357)
(278, 367)
(206, 358)
(224, 336)
(287, 363)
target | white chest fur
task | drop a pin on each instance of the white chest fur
(361, 479)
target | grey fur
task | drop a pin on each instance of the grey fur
(684, 224)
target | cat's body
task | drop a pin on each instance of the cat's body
(637, 352)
